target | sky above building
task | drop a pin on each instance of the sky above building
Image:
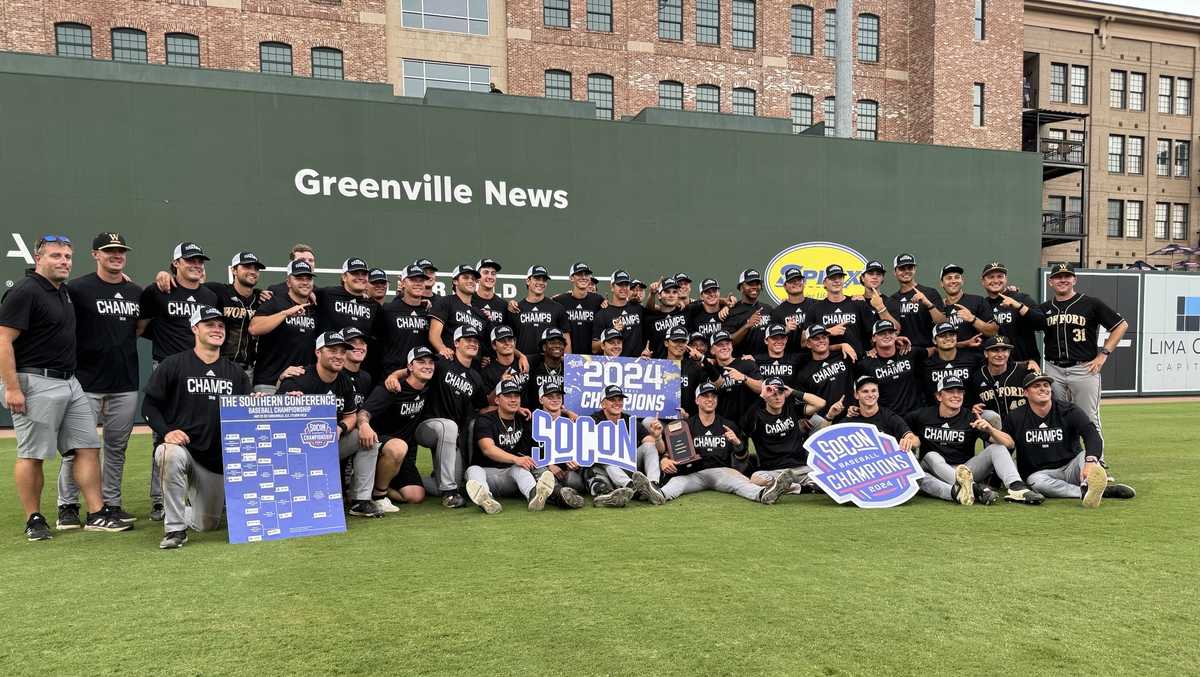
(1178, 6)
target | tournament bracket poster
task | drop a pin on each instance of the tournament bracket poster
(282, 476)
(651, 386)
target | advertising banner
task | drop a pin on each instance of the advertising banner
(1170, 351)
(651, 386)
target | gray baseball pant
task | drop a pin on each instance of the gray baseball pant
(440, 435)
(193, 496)
(995, 458)
(364, 465)
(1061, 482)
(115, 412)
(647, 460)
(725, 480)
(1078, 386)
(511, 481)
(769, 476)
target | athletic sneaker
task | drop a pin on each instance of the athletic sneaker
(157, 513)
(453, 500)
(570, 498)
(644, 489)
(1024, 494)
(104, 521)
(964, 490)
(119, 514)
(385, 505)
(541, 491)
(617, 498)
(172, 540)
(984, 494)
(68, 517)
(36, 528)
(1119, 491)
(481, 496)
(1094, 485)
(365, 509)
(780, 486)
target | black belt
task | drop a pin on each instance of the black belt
(1065, 364)
(49, 373)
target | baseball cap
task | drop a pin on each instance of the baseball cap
(682, 277)
(609, 334)
(465, 331)
(351, 333)
(637, 283)
(951, 383)
(709, 283)
(205, 313)
(951, 268)
(997, 341)
(300, 267)
(502, 331)
(774, 381)
(419, 352)
(104, 241)
(553, 385)
(719, 336)
(994, 267)
(670, 283)
(677, 334)
(904, 260)
(792, 272)
(188, 250)
(815, 330)
(354, 265)
(425, 263)
(620, 277)
(508, 386)
(328, 339)
(551, 334)
(377, 275)
(613, 390)
(488, 263)
(944, 328)
(705, 389)
(776, 330)
(413, 271)
(246, 259)
(834, 270)
(1033, 377)
(864, 380)
(464, 269)
(1062, 269)
(749, 275)
(882, 326)
(874, 266)
(698, 336)
(538, 271)
(580, 267)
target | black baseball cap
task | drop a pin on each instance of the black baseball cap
(354, 265)
(944, 328)
(677, 334)
(1033, 377)
(698, 336)
(863, 380)
(613, 390)
(580, 267)
(620, 277)
(719, 336)
(464, 269)
(551, 334)
(205, 313)
(328, 339)
(425, 263)
(834, 270)
(705, 389)
(951, 383)
(874, 266)
(997, 341)
(815, 330)
(551, 386)
(709, 283)
(881, 326)
(1062, 269)
(902, 260)
(465, 331)
(609, 334)
(188, 250)
(774, 381)
(351, 333)
(776, 330)
(377, 275)
(300, 267)
(637, 283)
(537, 271)
(792, 272)
(682, 277)
(488, 263)
(508, 386)
(749, 275)
(413, 270)
(670, 283)
(994, 267)
(246, 259)
(951, 268)
(502, 331)
(419, 352)
(109, 240)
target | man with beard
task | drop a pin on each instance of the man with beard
(285, 326)
(486, 299)
(643, 486)
(946, 359)
(998, 382)
(794, 313)
(901, 387)
(1015, 313)
(746, 320)
(704, 316)
(455, 310)
(533, 315)
(377, 285)
(739, 379)
(919, 306)
(239, 301)
(970, 314)
(663, 313)
(775, 425)
(387, 424)
(846, 320)
(299, 252)
(545, 367)
(827, 376)
(504, 364)
(404, 321)
(622, 315)
(580, 306)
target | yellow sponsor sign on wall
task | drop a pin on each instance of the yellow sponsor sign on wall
(811, 258)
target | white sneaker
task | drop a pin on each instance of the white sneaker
(541, 491)
(480, 496)
(386, 505)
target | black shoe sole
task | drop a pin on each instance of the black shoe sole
(43, 537)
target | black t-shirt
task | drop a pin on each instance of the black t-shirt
(701, 320)
(1072, 326)
(709, 440)
(778, 438)
(830, 379)
(402, 327)
(1053, 441)
(640, 432)
(802, 312)
(631, 315)
(915, 321)
(539, 372)
(692, 374)
(1002, 392)
(45, 316)
(170, 315)
(454, 313)
(734, 397)
(494, 371)
(456, 392)
(1020, 329)
(105, 334)
(901, 387)
(184, 394)
(397, 414)
(658, 324)
(512, 435)
(531, 319)
(494, 309)
(310, 383)
(239, 345)
(786, 367)
(338, 309)
(581, 315)
(362, 385)
(961, 366)
(885, 419)
(291, 343)
(739, 315)
(966, 330)
(952, 437)
(856, 315)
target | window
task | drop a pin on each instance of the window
(708, 22)
(1133, 218)
(73, 40)
(600, 92)
(1162, 158)
(1182, 158)
(802, 29)
(1056, 203)
(599, 16)
(670, 95)
(327, 63)
(558, 85)
(1179, 221)
(1161, 218)
(1165, 86)
(1183, 96)
(1116, 89)
(275, 57)
(1116, 149)
(1079, 85)
(1116, 210)
(868, 120)
(980, 19)
(743, 101)
(420, 76)
(183, 49)
(452, 16)
(129, 44)
(1075, 154)
(1133, 155)
(743, 24)
(802, 112)
(708, 98)
(977, 105)
(556, 13)
(868, 38)
(1058, 82)
(1075, 206)
(1137, 91)
(829, 110)
(670, 19)
(831, 33)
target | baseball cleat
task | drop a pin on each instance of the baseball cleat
(570, 498)
(117, 513)
(644, 489)
(541, 491)
(1095, 482)
(482, 497)
(104, 521)
(68, 517)
(1024, 495)
(365, 509)
(778, 487)
(385, 505)
(984, 494)
(964, 492)
(1116, 490)
(453, 500)
(173, 539)
(157, 513)
(36, 528)
(617, 498)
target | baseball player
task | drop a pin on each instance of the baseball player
(387, 423)
(704, 315)
(829, 375)
(377, 285)
(794, 313)
(285, 326)
(486, 299)
(533, 315)
(776, 361)
(739, 381)
(455, 310)
(998, 383)
(404, 321)
(612, 343)
(581, 305)
(664, 312)
(621, 314)
(1017, 315)
(948, 360)
(845, 319)
(746, 318)
(920, 307)
(644, 485)
(347, 304)
(544, 367)
(299, 252)
(970, 314)
(504, 363)
(774, 424)
(1046, 433)
(901, 388)
(183, 407)
(550, 399)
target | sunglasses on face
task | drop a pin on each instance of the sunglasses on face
(60, 239)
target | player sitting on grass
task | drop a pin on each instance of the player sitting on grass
(388, 422)
(775, 425)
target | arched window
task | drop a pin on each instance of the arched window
(670, 95)
(73, 39)
(183, 49)
(129, 44)
(868, 120)
(802, 112)
(275, 57)
(743, 101)
(600, 93)
(558, 84)
(327, 63)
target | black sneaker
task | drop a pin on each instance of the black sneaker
(36, 528)
(157, 513)
(119, 514)
(173, 539)
(1119, 491)
(68, 517)
(365, 509)
(454, 500)
(984, 494)
(104, 521)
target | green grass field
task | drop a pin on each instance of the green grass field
(710, 584)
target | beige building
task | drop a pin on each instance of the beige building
(455, 44)
(1109, 98)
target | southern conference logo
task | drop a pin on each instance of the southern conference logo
(811, 259)
(856, 462)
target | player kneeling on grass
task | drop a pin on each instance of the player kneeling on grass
(948, 434)
(505, 466)
(183, 408)
(1046, 434)
(717, 442)
(774, 424)
(388, 423)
